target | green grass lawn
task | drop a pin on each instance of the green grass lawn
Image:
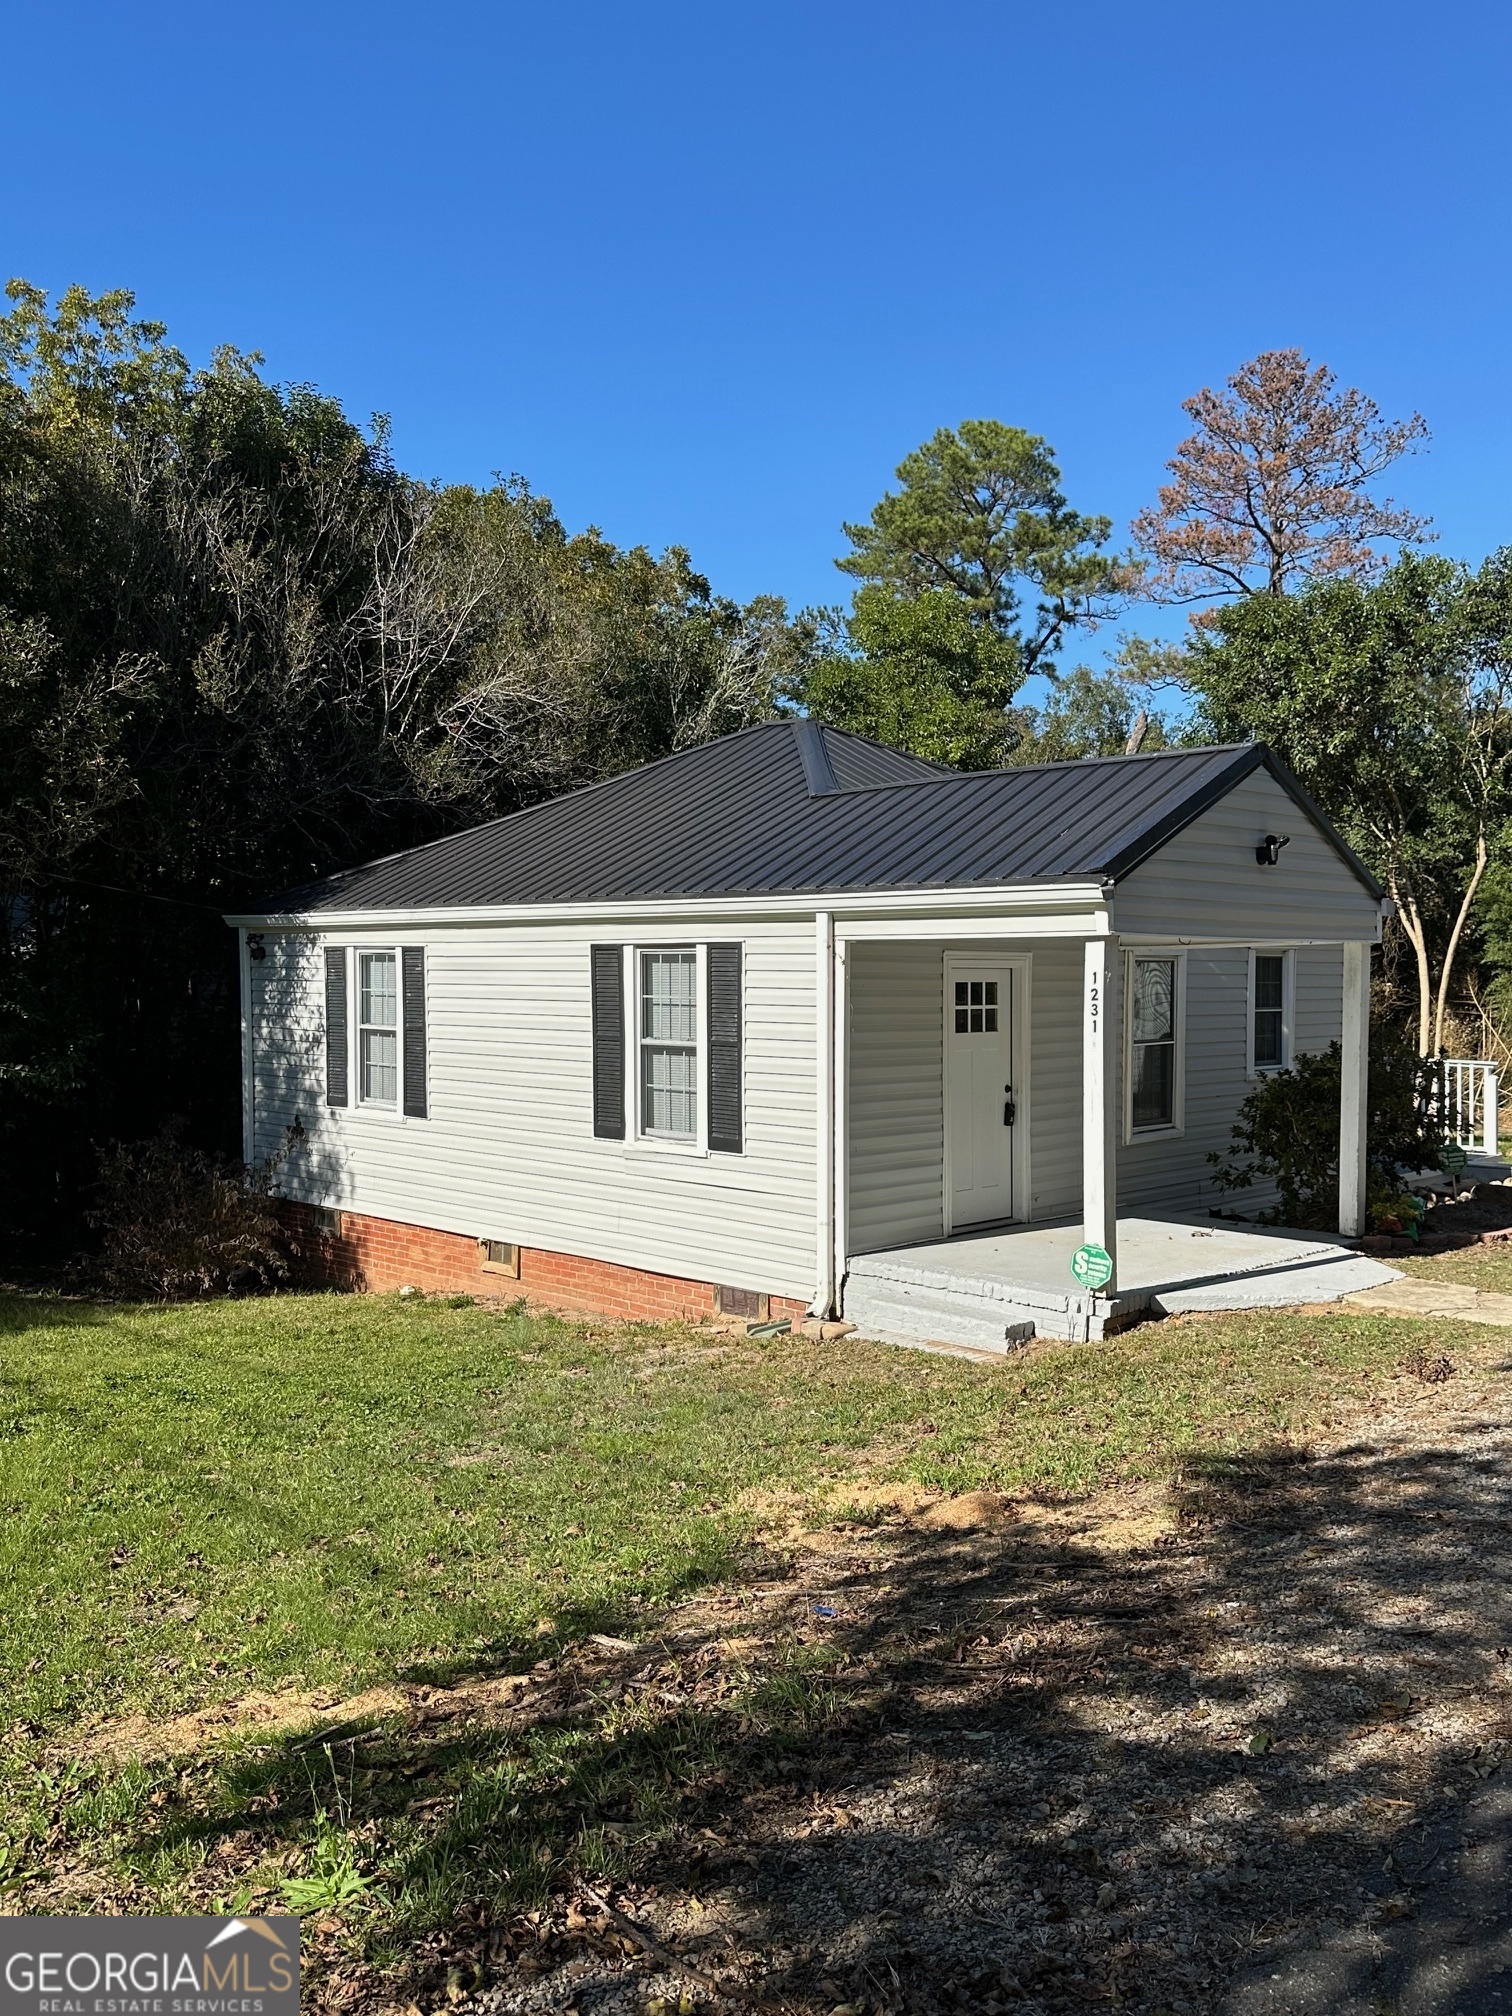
(327, 1492)
(333, 1489)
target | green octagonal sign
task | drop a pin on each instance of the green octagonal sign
(1452, 1159)
(1091, 1266)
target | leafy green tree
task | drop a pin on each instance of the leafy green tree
(981, 516)
(1393, 704)
(917, 672)
(972, 573)
(1088, 713)
(238, 648)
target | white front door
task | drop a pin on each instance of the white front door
(980, 1096)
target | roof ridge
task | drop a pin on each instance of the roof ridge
(1042, 769)
(1139, 756)
(828, 728)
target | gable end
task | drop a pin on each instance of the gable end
(1256, 757)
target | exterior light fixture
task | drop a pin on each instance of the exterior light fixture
(255, 946)
(1268, 853)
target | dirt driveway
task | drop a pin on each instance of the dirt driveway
(1135, 1755)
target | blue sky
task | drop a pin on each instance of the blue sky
(705, 273)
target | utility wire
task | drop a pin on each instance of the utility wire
(141, 895)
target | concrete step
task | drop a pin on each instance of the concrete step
(898, 1303)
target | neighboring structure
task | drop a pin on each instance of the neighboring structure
(699, 1035)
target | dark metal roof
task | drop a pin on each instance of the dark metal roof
(791, 806)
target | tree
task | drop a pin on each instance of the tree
(1274, 487)
(913, 671)
(936, 644)
(1088, 713)
(589, 659)
(239, 648)
(1392, 702)
(981, 517)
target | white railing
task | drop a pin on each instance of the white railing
(1471, 1093)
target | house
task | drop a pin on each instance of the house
(756, 1027)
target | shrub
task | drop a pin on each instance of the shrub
(1287, 1133)
(175, 1222)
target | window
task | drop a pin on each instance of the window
(668, 1039)
(976, 1007)
(378, 1028)
(1153, 1011)
(1270, 1011)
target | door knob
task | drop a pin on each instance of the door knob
(1010, 1106)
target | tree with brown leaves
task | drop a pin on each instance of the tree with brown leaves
(1274, 488)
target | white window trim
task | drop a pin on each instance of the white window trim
(379, 1112)
(637, 1142)
(1287, 955)
(359, 953)
(1177, 1124)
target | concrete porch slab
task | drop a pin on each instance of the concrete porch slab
(984, 1288)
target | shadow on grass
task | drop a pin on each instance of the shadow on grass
(932, 1771)
(22, 1310)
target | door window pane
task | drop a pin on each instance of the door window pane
(1270, 1011)
(378, 1027)
(1153, 1010)
(669, 1044)
(976, 1007)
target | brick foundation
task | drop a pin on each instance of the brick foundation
(350, 1250)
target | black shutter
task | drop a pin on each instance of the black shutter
(414, 1031)
(724, 1049)
(609, 1042)
(336, 1025)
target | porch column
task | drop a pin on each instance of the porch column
(1353, 1089)
(1100, 1100)
(824, 1114)
(839, 1099)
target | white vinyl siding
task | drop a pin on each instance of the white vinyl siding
(508, 1150)
(1206, 883)
(1317, 1005)
(895, 1099)
(896, 1084)
(509, 1153)
(1172, 1173)
(896, 1173)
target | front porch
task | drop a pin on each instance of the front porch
(995, 1289)
(991, 1117)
